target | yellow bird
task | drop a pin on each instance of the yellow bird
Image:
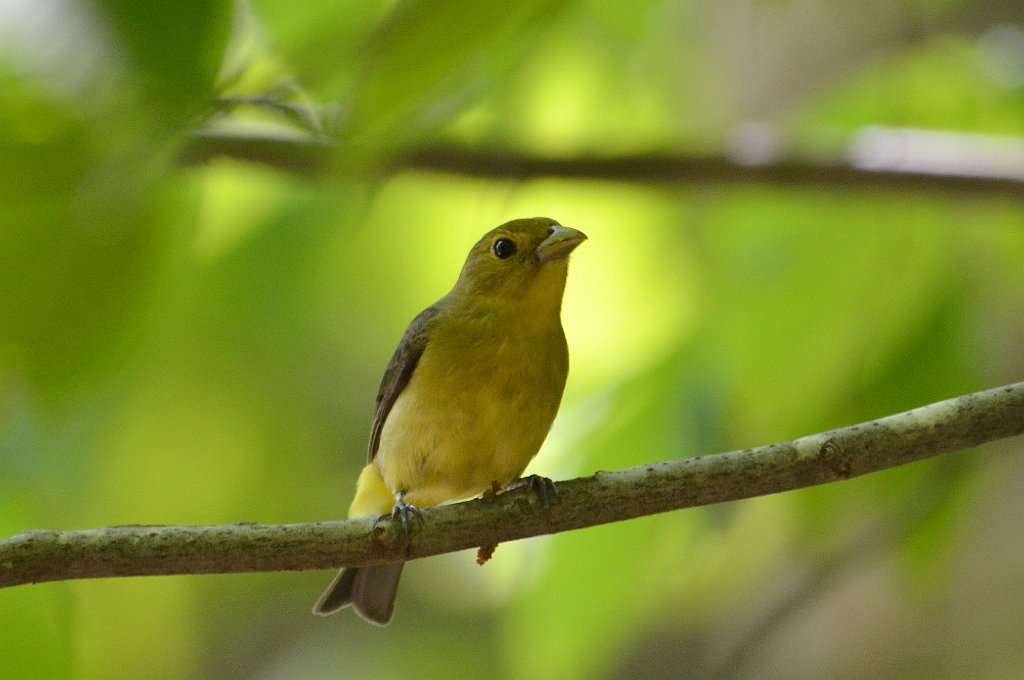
(469, 395)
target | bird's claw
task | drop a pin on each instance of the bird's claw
(403, 511)
(542, 487)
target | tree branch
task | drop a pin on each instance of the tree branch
(880, 159)
(38, 556)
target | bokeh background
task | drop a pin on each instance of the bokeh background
(216, 220)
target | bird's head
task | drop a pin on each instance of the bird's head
(522, 260)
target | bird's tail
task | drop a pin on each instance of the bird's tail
(370, 590)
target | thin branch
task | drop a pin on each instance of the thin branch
(951, 425)
(889, 160)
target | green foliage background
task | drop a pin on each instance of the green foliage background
(184, 343)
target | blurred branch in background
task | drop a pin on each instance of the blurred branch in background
(951, 425)
(887, 159)
(830, 569)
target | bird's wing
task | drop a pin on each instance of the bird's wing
(399, 372)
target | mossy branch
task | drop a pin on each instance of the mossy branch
(37, 556)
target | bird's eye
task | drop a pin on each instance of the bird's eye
(504, 248)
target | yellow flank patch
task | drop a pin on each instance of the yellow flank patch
(372, 495)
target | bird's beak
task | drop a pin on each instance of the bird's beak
(561, 242)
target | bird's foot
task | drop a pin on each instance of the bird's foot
(542, 487)
(404, 511)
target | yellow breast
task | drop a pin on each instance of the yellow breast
(477, 409)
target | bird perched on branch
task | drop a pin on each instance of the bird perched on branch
(469, 395)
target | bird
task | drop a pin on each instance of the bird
(468, 396)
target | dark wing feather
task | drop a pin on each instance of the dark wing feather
(399, 371)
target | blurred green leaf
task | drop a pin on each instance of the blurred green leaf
(174, 48)
(941, 84)
(76, 252)
(428, 54)
(320, 41)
